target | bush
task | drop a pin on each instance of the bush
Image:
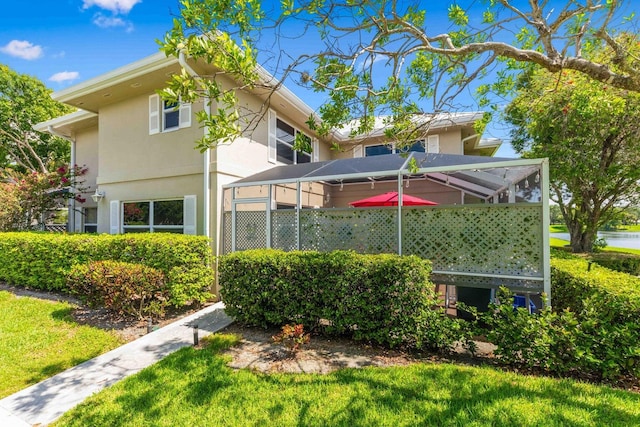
(128, 289)
(387, 299)
(623, 262)
(44, 260)
(592, 329)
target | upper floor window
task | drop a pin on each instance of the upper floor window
(167, 116)
(282, 137)
(431, 145)
(170, 115)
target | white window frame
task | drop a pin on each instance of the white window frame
(86, 224)
(158, 115)
(189, 213)
(273, 120)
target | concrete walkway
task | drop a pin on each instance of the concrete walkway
(44, 402)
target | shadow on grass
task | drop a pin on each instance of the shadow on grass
(195, 387)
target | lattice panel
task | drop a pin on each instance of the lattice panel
(363, 230)
(283, 230)
(251, 230)
(226, 236)
(484, 239)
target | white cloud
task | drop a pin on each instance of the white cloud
(111, 21)
(22, 49)
(116, 6)
(64, 76)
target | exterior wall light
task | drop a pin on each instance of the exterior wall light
(97, 196)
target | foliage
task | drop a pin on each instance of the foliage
(40, 339)
(125, 288)
(625, 263)
(384, 298)
(24, 102)
(591, 134)
(198, 388)
(31, 197)
(292, 336)
(592, 329)
(574, 286)
(43, 260)
(589, 341)
(387, 57)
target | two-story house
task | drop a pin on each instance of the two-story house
(147, 176)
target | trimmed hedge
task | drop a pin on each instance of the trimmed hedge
(618, 261)
(387, 299)
(44, 260)
(128, 289)
(593, 328)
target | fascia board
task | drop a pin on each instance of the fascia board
(112, 78)
(66, 120)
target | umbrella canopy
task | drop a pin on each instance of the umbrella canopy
(391, 199)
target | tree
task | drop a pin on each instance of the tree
(26, 199)
(389, 57)
(590, 131)
(25, 101)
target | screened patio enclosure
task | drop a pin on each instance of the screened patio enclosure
(490, 226)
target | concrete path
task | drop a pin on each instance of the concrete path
(44, 402)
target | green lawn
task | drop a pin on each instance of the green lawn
(39, 339)
(195, 388)
(555, 242)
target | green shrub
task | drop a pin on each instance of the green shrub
(593, 327)
(387, 299)
(125, 288)
(44, 260)
(623, 262)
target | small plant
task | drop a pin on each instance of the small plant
(292, 336)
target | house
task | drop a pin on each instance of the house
(146, 175)
(140, 153)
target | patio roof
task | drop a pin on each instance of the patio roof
(478, 175)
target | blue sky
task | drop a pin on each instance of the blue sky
(64, 42)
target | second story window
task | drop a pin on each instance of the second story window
(282, 137)
(167, 116)
(170, 115)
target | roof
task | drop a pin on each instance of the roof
(152, 72)
(428, 121)
(478, 175)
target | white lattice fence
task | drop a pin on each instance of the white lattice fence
(472, 245)
(363, 230)
(489, 239)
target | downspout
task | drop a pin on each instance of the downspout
(71, 217)
(207, 154)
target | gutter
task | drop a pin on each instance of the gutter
(207, 155)
(71, 218)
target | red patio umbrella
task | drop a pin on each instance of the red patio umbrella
(391, 199)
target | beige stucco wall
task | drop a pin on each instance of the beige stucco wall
(173, 187)
(136, 166)
(127, 152)
(86, 141)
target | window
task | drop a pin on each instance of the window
(282, 137)
(378, 150)
(164, 116)
(90, 220)
(432, 145)
(154, 216)
(285, 138)
(170, 115)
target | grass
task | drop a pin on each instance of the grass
(194, 387)
(558, 228)
(40, 339)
